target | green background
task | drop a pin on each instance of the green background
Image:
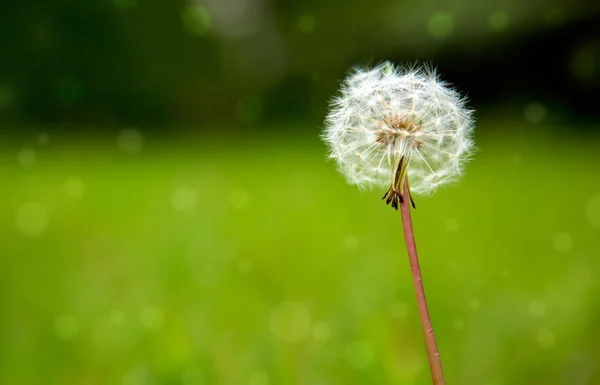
(168, 214)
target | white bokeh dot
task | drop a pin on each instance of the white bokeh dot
(474, 304)
(193, 376)
(593, 211)
(259, 377)
(545, 338)
(350, 243)
(196, 19)
(537, 308)
(184, 199)
(130, 141)
(32, 219)
(321, 331)
(66, 327)
(452, 224)
(534, 113)
(458, 324)
(74, 187)
(138, 375)
(399, 310)
(43, 138)
(516, 159)
(125, 4)
(241, 199)
(441, 25)
(563, 242)
(498, 21)
(307, 23)
(152, 318)
(26, 157)
(245, 266)
(116, 317)
(358, 354)
(291, 322)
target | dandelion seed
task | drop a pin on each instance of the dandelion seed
(391, 124)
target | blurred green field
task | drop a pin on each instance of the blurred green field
(250, 261)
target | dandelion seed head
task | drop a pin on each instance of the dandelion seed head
(391, 118)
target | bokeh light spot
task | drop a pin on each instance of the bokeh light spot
(66, 327)
(399, 310)
(452, 224)
(358, 354)
(196, 19)
(245, 266)
(458, 324)
(193, 376)
(593, 211)
(563, 242)
(350, 243)
(441, 25)
(26, 157)
(241, 199)
(545, 338)
(125, 4)
(516, 159)
(32, 219)
(152, 318)
(322, 331)
(130, 141)
(537, 308)
(307, 23)
(137, 376)
(290, 322)
(184, 199)
(249, 109)
(43, 138)
(474, 304)
(116, 317)
(534, 113)
(74, 187)
(583, 64)
(69, 90)
(7, 96)
(498, 21)
(259, 378)
(555, 15)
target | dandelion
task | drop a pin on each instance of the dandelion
(390, 125)
(394, 124)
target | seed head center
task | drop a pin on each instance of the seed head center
(399, 127)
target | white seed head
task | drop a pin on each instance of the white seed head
(390, 122)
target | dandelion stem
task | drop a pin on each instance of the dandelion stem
(433, 355)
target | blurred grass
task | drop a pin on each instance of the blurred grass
(237, 261)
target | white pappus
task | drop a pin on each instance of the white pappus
(390, 124)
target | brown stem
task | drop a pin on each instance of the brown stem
(433, 355)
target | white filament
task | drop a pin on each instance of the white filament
(387, 113)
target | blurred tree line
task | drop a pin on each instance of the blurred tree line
(243, 62)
